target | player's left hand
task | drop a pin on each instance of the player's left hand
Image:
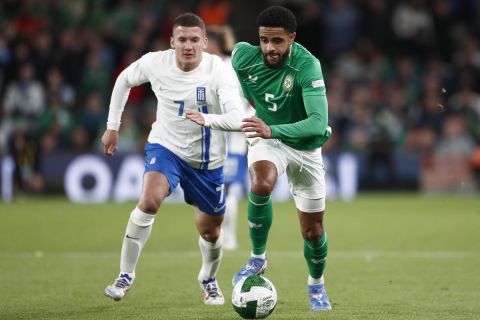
(254, 127)
(195, 116)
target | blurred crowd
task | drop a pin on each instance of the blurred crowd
(402, 77)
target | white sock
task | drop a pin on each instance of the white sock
(139, 227)
(211, 257)
(312, 281)
(261, 256)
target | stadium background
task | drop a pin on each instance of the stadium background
(402, 78)
(403, 88)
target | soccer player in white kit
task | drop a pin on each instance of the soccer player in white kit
(179, 151)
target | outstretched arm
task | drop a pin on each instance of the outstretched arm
(228, 121)
(196, 117)
(229, 98)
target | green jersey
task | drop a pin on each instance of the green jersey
(291, 99)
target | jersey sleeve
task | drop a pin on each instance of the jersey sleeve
(316, 124)
(240, 55)
(311, 79)
(228, 89)
(229, 99)
(316, 106)
(132, 76)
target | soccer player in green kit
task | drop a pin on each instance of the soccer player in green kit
(284, 82)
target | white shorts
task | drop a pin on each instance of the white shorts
(304, 169)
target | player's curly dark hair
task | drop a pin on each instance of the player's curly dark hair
(189, 20)
(277, 16)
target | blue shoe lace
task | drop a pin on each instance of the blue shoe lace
(123, 281)
(211, 287)
(318, 297)
(254, 266)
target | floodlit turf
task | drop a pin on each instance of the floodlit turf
(391, 257)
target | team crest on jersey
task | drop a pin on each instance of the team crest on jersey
(201, 95)
(287, 83)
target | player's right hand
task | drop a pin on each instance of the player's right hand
(110, 141)
(254, 127)
(195, 116)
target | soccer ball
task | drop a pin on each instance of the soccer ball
(254, 297)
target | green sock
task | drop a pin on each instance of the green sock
(259, 220)
(315, 254)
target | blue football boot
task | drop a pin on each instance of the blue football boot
(318, 297)
(254, 266)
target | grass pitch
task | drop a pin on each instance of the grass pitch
(391, 257)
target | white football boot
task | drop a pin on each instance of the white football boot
(212, 294)
(119, 288)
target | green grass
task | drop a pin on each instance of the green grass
(391, 257)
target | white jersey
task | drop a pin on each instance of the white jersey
(210, 88)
